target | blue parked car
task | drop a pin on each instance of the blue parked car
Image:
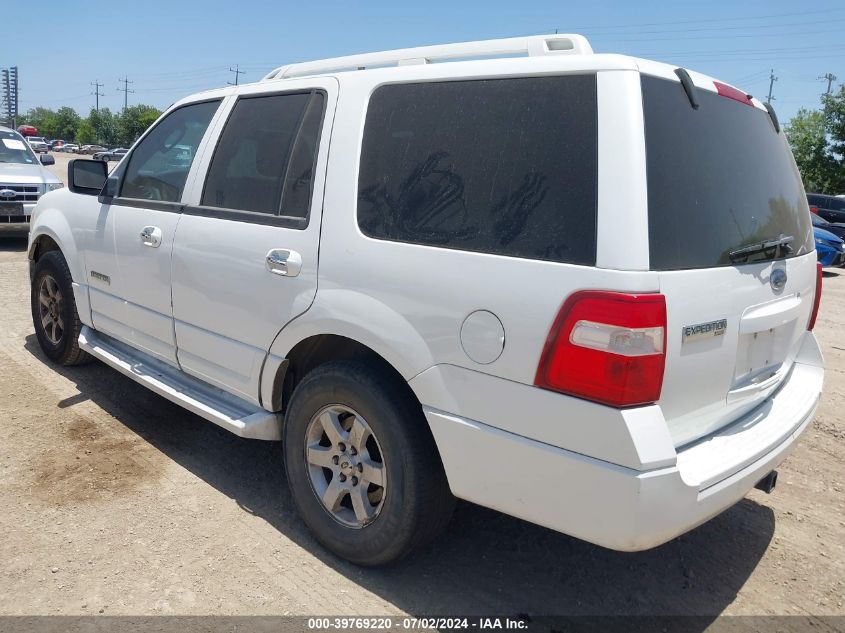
(829, 248)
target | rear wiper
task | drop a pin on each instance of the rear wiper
(781, 242)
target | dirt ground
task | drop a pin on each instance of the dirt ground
(115, 501)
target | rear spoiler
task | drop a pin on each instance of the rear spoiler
(692, 95)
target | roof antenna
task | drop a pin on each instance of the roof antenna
(689, 87)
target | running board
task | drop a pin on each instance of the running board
(215, 405)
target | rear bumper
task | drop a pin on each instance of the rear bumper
(620, 507)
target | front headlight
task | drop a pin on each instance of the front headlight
(52, 186)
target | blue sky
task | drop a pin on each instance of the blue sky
(170, 49)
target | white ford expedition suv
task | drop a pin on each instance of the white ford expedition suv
(576, 288)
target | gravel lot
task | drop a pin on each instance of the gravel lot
(116, 501)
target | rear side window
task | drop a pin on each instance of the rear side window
(505, 166)
(158, 167)
(837, 204)
(719, 178)
(267, 149)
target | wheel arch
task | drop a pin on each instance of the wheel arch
(51, 231)
(318, 349)
(342, 322)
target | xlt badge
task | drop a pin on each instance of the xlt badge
(101, 277)
(704, 330)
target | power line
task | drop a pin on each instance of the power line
(699, 21)
(125, 90)
(237, 72)
(97, 94)
(605, 36)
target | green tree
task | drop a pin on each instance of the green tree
(67, 120)
(105, 126)
(817, 138)
(85, 134)
(134, 121)
(834, 116)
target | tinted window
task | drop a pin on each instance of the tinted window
(299, 181)
(832, 202)
(719, 178)
(159, 165)
(504, 166)
(248, 171)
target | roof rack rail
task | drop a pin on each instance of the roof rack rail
(533, 45)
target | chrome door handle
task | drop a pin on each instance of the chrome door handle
(283, 262)
(151, 236)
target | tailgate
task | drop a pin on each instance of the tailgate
(731, 237)
(731, 339)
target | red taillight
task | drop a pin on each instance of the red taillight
(608, 347)
(814, 210)
(732, 93)
(817, 299)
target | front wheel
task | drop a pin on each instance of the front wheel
(54, 314)
(362, 465)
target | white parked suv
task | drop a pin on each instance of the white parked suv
(576, 288)
(23, 179)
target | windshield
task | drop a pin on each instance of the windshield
(14, 150)
(719, 179)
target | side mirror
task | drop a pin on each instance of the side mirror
(46, 159)
(86, 176)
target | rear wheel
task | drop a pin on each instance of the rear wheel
(362, 465)
(54, 314)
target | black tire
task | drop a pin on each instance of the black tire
(64, 350)
(417, 503)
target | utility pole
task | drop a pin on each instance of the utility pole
(772, 80)
(830, 77)
(237, 72)
(8, 103)
(13, 73)
(97, 94)
(125, 90)
(10, 95)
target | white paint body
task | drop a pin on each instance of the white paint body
(204, 303)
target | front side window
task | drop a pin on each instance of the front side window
(265, 158)
(502, 166)
(159, 165)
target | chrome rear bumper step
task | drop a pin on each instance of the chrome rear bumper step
(223, 409)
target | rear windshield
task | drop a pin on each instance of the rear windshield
(502, 166)
(719, 178)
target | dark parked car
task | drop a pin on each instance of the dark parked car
(112, 154)
(837, 228)
(831, 208)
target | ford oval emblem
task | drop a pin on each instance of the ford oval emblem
(778, 279)
(8, 193)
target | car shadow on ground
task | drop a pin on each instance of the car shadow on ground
(486, 563)
(830, 273)
(13, 244)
